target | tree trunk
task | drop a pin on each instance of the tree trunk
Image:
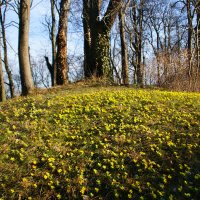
(157, 53)
(198, 36)
(124, 54)
(87, 40)
(100, 64)
(24, 63)
(138, 29)
(53, 41)
(178, 38)
(197, 7)
(95, 27)
(190, 31)
(61, 57)
(139, 65)
(2, 86)
(102, 54)
(51, 69)
(8, 71)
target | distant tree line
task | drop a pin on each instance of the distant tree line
(141, 42)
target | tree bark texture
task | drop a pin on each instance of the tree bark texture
(23, 47)
(2, 86)
(138, 30)
(53, 41)
(87, 40)
(198, 36)
(124, 54)
(61, 56)
(97, 58)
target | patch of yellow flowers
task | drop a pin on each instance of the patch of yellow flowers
(113, 143)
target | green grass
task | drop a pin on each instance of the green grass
(101, 143)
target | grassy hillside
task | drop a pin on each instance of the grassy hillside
(101, 143)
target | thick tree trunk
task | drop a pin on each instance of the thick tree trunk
(102, 55)
(140, 38)
(61, 57)
(198, 38)
(8, 71)
(138, 29)
(95, 27)
(197, 7)
(99, 44)
(2, 86)
(87, 40)
(24, 63)
(124, 53)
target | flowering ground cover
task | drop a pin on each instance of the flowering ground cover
(101, 143)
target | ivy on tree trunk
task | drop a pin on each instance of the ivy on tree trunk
(97, 37)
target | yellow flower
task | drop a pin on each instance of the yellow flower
(130, 196)
(34, 162)
(59, 196)
(12, 190)
(95, 171)
(83, 189)
(12, 159)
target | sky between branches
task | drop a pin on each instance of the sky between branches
(39, 40)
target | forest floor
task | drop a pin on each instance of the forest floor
(100, 143)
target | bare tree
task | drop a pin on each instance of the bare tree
(51, 26)
(40, 73)
(53, 40)
(166, 32)
(23, 47)
(124, 49)
(87, 40)
(135, 30)
(61, 56)
(196, 4)
(190, 34)
(2, 86)
(8, 71)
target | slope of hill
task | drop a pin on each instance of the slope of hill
(101, 143)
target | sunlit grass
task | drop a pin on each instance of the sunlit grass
(103, 143)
